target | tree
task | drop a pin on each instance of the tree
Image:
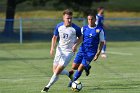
(81, 6)
(10, 13)
(11, 10)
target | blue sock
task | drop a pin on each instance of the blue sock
(77, 75)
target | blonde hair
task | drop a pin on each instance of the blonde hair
(68, 12)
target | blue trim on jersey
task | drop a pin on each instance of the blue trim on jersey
(56, 33)
(78, 29)
(99, 21)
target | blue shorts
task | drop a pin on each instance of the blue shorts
(84, 58)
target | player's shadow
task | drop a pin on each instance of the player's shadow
(18, 58)
(114, 87)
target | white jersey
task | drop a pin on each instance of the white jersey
(67, 36)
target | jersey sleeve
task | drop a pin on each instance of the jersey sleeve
(78, 32)
(97, 20)
(101, 36)
(82, 30)
(56, 33)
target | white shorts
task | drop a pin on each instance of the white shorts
(62, 58)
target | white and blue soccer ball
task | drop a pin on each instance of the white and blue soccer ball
(76, 86)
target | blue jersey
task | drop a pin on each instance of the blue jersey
(89, 46)
(99, 21)
(67, 35)
(90, 39)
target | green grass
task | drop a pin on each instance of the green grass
(27, 68)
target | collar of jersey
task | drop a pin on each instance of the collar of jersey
(91, 27)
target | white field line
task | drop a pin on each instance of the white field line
(120, 53)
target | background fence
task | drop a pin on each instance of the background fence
(41, 30)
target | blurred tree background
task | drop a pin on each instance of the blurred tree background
(77, 5)
(13, 7)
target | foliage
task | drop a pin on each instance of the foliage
(84, 6)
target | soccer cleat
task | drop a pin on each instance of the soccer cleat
(71, 74)
(87, 70)
(45, 89)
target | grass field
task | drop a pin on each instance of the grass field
(27, 68)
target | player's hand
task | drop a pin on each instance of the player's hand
(51, 52)
(96, 57)
(74, 48)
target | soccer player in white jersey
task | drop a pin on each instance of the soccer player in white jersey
(69, 38)
(100, 23)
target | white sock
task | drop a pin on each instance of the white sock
(102, 51)
(53, 79)
(64, 72)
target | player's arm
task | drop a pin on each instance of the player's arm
(78, 41)
(101, 36)
(54, 40)
(53, 45)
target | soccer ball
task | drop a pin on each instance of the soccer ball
(76, 86)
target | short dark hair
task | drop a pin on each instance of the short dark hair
(99, 8)
(68, 12)
(92, 14)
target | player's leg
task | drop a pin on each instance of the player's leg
(77, 74)
(87, 70)
(63, 62)
(84, 65)
(54, 77)
(79, 71)
(89, 58)
(103, 52)
(76, 63)
(66, 58)
(74, 67)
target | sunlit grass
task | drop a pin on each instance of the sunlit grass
(27, 68)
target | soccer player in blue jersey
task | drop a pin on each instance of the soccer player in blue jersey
(100, 23)
(70, 37)
(93, 40)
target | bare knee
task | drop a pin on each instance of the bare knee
(75, 66)
(59, 69)
(81, 67)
